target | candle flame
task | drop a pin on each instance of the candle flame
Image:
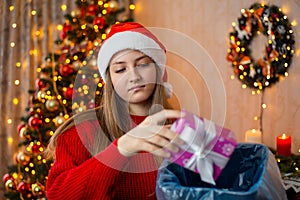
(284, 136)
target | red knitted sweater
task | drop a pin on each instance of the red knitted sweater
(77, 175)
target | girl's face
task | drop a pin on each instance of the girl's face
(133, 76)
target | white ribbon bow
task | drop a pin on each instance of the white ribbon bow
(198, 141)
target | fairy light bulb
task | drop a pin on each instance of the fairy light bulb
(294, 23)
(132, 7)
(33, 12)
(59, 27)
(9, 121)
(10, 140)
(63, 7)
(15, 101)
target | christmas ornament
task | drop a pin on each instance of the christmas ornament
(35, 122)
(40, 84)
(41, 95)
(76, 13)
(66, 70)
(36, 147)
(7, 177)
(92, 9)
(20, 126)
(52, 105)
(25, 133)
(24, 188)
(59, 120)
(84, 80)
(64, 32)
(278, 53)
(77, 65)
(37, 189)
(22, 158)
(68, 93)
(10, 185)
(99, 22)
(91, 105)
(113, 5)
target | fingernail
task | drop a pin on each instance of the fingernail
(168, 155)
(176, 149)
(181, 142)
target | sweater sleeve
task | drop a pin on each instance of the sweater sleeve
(77, 175)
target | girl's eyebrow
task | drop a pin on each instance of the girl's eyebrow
(122, 62)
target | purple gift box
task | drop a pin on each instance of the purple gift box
(208, 146)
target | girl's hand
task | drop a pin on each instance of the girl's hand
(151, 137)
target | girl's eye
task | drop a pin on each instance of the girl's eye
(120, 70)
(143, 65)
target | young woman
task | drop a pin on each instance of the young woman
(113, 152)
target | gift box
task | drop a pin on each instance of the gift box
(208, 146)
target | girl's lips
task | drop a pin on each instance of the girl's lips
(136, 88)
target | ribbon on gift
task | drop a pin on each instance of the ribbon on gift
(201, 137)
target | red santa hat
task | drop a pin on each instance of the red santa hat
(131, 35)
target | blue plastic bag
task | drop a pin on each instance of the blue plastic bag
(251, 173)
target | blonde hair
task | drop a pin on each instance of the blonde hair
(113, 116)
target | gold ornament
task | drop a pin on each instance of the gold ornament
(76, 13)
(52, 105)
(113, 5)
(41, 95)
(23, 158)
(10, 185)
(37, 189)
(77, 65)
(59, 120)
(24, 133)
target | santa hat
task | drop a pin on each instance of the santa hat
(131, 35)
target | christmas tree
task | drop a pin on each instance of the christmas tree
(68, 83)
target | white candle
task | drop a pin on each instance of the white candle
(253, 136)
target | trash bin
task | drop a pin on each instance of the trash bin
(251, 173)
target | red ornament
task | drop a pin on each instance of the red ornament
(39, 84)
(66, 70)
(35, 148)
(64, 32)
(84, 81)
(35, 122)
(20, 126)
(32, 111)
(69, 93)
(92, 9)
(7, 177)
(99, 21)
(23, 188)
(91, 105)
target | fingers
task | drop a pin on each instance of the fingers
(151, 137)
(163, 115)
(156, 150)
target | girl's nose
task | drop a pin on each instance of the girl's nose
(134, 75)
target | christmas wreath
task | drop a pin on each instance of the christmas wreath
(278, 52)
